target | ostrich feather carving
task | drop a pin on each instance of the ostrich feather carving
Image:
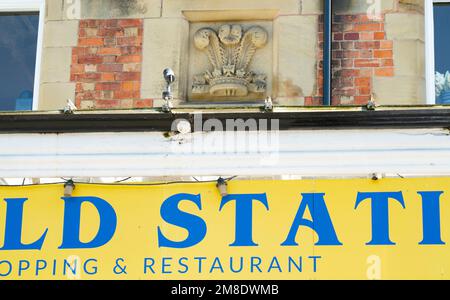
(230, 51)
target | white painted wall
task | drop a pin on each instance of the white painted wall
(308, 153)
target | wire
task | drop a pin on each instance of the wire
(124, 184)
(119, 181)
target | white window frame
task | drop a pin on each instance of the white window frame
(429, 49)
(30, 6)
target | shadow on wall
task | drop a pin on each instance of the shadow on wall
(113, 9)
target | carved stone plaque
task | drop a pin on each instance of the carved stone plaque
(229, 49)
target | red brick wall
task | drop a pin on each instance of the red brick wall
(360, 52)
(106, 64)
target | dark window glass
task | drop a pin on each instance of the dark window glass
(442, 52)
(18, 42)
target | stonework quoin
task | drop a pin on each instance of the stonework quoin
(230, 51)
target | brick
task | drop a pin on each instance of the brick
(379, 35)
(110, 68)
(77, 68)
(350, 54)
(363, 100)
(367, 45)
(383, 53)
(110, 41)
(365, 63)
(386, 44)
(107, 95)
(367, 27)
(132, 67)
(362, 81)
(335, 46)
(144, 103)
(111, 23)
(365, 72)
(79, 51)
(347, 82)
(88, 23)
(387, 63)
(90, 68)
(128, 76)
(108, 77)
(129, 59)
(131, 86)
(91, 42)
(109, 51)
(348, 72)
(109, 59)
(348, 91)
(106, 104)
(88, 86)
(86, 77)
(92, 50)
(130, 23)
(347, 27)
(384, 72)
(364, 90)
(347, 45)
(86, 104)
(88, 32)
(107, 86)
(78, 87)
(126, 103)
(366, 54)
(129, 41)
(337, 36)
(131, 31)
(337, 54)
(127, 50)
(111, 32)
(352, 36)
(90, 59)
(126, 94)
(347, 63)
(366, 36)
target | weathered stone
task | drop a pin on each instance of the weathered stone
(359, 6)
(404, 26)
(54, 10)
(296, 56)
(399, 90)
(165, 46)
(409, 57)
(175, 8)
(53, 96)
(56, 64)
(61, 34)
(111, 9)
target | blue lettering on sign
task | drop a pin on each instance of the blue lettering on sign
(244, 216)
(173, 215)
(321, 222)
(72, 215)
(13, 228)
(380, 214)
(431, 218)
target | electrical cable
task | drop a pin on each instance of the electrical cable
(124, 184)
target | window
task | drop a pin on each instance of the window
(441, 12)
(20, 40)
(438, 47)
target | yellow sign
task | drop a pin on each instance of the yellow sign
(308, 229)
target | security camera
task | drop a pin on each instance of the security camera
(169, 76)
